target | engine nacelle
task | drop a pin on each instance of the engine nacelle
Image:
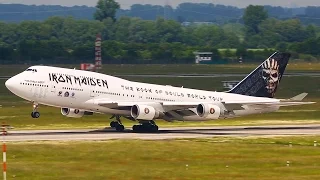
(209, 111)
(74, 113)
(144, 112)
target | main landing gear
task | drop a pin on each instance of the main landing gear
(35, 114)
(146, 126)
(117, 124)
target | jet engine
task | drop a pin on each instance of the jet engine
(74, 113)
(209, 111)
(144, 112)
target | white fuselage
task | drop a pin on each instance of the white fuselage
(70, 88)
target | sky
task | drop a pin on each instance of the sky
(125, 4)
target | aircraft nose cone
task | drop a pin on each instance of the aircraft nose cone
(9, 84)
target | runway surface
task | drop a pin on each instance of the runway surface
(164, 133)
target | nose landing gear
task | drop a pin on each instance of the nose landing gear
(35, 114)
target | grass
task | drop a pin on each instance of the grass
(214, 158)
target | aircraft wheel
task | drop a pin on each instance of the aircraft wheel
(113, 124)
(135, 128)
(145, 128)
(120, 128)
(35, 115)
(152, 128)
(155, 128)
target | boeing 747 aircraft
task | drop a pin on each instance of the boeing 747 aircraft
(79, 93)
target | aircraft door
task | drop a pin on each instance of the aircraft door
(41, 92)
(45, 91)
(35, 92)
(53, 86)
(92, 91)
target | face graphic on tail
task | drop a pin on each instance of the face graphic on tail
(271, 75)
(265, 79)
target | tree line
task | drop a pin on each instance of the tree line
(283, 35)
(126, 39)
(134, 40)
(193, 12)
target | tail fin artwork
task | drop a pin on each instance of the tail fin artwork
(265, 79)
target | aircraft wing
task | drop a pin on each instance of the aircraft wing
(230, 106)
(236, 105)
(261, 105)
(112, 104)
(171, 105)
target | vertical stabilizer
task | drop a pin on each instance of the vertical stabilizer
(265, 79)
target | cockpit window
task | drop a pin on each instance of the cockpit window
(34, 70)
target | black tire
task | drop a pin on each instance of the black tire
(151, 128)
(120, 128)
(144, 128)
(35, 115)
(135, 128)
(155, 128)
(113, 124)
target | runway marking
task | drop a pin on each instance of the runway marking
(164, 133)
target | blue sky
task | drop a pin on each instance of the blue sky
(128, 3)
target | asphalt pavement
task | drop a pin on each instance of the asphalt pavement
(164, 133)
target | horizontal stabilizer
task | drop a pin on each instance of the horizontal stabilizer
(299, 97)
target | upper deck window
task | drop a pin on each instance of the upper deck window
(34, 70)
